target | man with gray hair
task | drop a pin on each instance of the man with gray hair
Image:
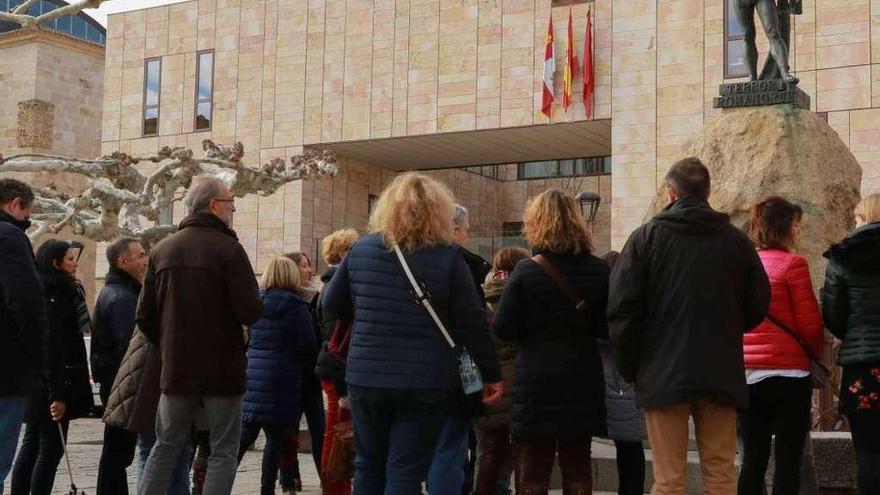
(452, 469)
(198, 293)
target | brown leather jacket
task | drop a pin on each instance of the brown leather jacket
(198, 292)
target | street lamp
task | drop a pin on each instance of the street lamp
(589, 204)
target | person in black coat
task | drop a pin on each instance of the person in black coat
(686, 287)
(112, 328)
(22, 316)
(278, 341)
(67, 394)
(558, 390)
(851, 306)
(401, 373)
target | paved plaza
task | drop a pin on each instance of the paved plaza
(85, 450)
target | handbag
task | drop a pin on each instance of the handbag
(819, 373)
(340, 463)
(469, 373)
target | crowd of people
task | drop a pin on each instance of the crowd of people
(452, 374)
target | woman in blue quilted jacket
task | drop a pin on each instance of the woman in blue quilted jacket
(402, 375)
(277, 341)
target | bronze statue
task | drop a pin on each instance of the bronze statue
(776, 21)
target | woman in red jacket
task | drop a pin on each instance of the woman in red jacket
(777, 353)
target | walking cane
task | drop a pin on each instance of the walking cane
(73, 489)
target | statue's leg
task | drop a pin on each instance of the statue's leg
(770, 19)
(745, 12)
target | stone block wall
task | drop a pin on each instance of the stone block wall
(668, 62)
(51, 87)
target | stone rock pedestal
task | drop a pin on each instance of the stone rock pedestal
(780, 150)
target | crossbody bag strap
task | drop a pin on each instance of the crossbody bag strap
(423, 298)
(559, 279)
(785, 328)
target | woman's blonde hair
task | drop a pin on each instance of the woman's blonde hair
(414, 211)
(281, 273)
(336, 245)
(553, 222)
(868, 208)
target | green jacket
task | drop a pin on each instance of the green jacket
(851, 296)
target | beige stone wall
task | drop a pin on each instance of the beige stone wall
(290, 73)
(668, 63)
(51, 87)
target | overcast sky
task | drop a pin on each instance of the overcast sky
(112, 6)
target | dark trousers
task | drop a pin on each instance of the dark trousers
(496, 456)
(276, 438)
(396, 432)
(630, 467)
(116, 455)
(780, 406)
(312, 406)
(534, 465)
(865, 427)
(38, 457)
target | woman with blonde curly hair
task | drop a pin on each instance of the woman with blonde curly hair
(554, 309)
(401, 374)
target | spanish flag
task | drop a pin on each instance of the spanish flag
(570, 66)
(549, 71)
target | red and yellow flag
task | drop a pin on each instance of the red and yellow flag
(549, 71)
(589, 82)
(570, 66)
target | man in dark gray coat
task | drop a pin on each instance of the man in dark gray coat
(687, 286)
(22, 316)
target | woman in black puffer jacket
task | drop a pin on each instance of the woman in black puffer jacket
(558, 388)
(851, 307)
(67, 394)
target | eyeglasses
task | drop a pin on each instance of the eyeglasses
(229, 200)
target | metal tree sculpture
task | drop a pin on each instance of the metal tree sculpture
(120, 197)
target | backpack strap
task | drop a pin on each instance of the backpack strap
(580, 305)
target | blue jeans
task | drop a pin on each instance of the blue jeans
(396, 432)
(11, 415)
(446, 476)
(180, 475)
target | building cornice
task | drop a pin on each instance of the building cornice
(26, 36)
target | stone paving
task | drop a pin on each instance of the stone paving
(85, 440)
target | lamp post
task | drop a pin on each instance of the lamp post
(589, 202)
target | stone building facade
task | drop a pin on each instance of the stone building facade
(52, 91)
(390, 85)
(395, 85)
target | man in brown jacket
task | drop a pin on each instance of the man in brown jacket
(198, 293)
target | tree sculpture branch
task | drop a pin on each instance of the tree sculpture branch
(120, 197)
(19, 14)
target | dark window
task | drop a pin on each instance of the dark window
(204, 90)
(79, 27)
(166, 215)
(511, 229)
(576, 167)
(63, 24)
(490, 171)
(152, 84)
(734, 43)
